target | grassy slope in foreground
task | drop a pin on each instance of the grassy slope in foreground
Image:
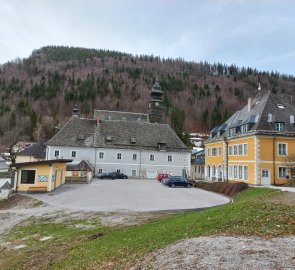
(252, 213)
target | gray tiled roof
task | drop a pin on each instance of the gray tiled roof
(3, 165)
(7, 174)
(84, 165)
(37, 150)
(79, 132)
(257, 116)
(117, 115)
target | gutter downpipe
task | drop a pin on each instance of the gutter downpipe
(139, 162)
(226, 159)
(274, 161)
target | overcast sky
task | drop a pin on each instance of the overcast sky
(254, 33)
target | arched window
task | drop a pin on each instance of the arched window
(213, 171)
(219, 172)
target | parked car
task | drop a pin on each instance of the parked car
(176, 181)
(113, 175)
(161, 176)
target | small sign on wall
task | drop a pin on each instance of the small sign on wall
(75, 173)
(43, 178)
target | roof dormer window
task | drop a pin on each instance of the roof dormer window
(280, 126)
(244, 128)
(81, 137)
(162, 146)
(232, 132)
(269, 118)
(281, 106)
(109, 138)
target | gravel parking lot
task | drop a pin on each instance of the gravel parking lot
(130, 195)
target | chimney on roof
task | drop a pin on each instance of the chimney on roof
(259, 89)
(250, 103)
(76, 110)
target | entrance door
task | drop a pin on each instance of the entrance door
(265, 177)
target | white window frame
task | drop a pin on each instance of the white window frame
(74, 151)
(280, 126)
(230, 150)
(240, 149)
(286, 171)
(230, 171)
(208, 170)
(235, 171)
(214, 151)
(119, 156)
(118, 170)
(56, 151)
(263, 173)
(286, 149)
(134, 156)
(246, 173)
(132, 172)
(152, 157)
(244, 128)
(208, 152)
(28, 169)
(220, 151)
(232, 132)
(240, 172)
(101, 155)
(245, 146)
(235, 150)
(100, 170)
(213, 170)
(169, 158)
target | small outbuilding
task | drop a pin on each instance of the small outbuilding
(40, 176)
(79, 173)
(198, 165)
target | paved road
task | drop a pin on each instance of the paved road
(130, 195)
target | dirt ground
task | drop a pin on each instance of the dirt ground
(223, 253)
(287, 198)
(23, 209)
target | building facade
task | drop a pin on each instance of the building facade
(255, 145)
(136, 144)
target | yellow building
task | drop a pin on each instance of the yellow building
(40, 176)
(255, 144)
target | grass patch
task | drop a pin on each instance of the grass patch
(252, 213)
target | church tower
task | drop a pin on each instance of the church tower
(156, 104)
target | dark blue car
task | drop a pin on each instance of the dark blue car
(113, 175)
(176, 181)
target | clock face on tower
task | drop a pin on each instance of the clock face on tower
(157, 104)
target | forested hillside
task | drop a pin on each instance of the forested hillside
(39, 92)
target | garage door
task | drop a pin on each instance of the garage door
(151, 174)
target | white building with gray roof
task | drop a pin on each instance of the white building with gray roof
(136, 144)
